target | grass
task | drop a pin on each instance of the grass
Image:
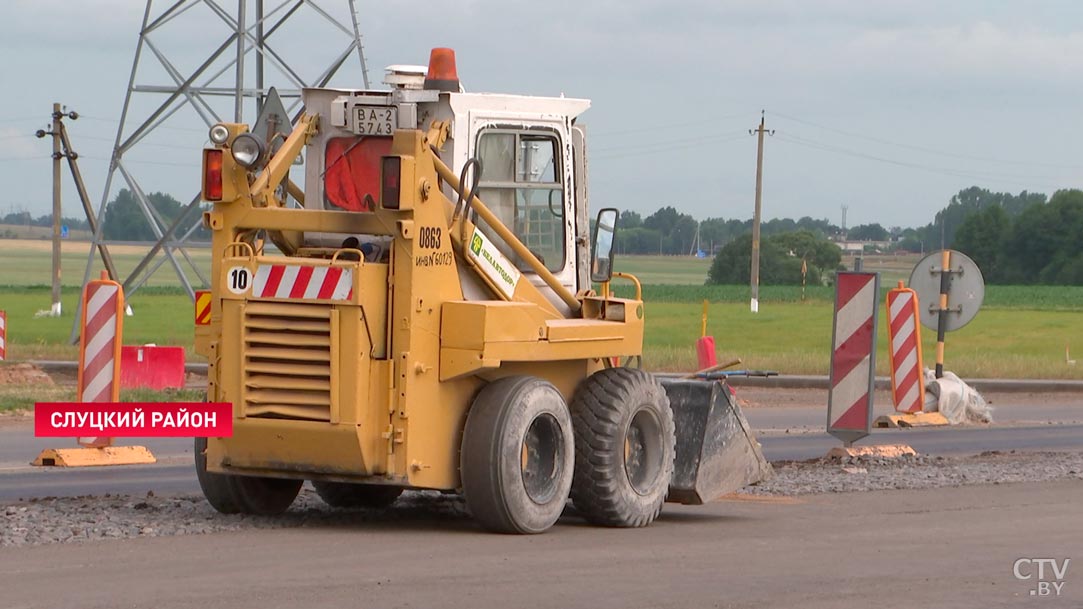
(162, 316)
(23, 397)
(29, 262)
(795, 338)
(1021, 331)
(665, 270)
(1018, 298)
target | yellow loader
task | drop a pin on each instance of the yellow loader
(421, 314)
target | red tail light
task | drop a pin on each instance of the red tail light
(212, 174)
(391, 180)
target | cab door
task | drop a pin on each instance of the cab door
(528, 182)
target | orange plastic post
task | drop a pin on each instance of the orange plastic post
(904, 350)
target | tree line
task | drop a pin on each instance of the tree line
(1023, 238)
(25, 218)
(124, 217)
(1036, 243)
(670, 232)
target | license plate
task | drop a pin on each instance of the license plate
(375, 120)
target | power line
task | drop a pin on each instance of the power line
(144, 162)
(37, 157)
(109, 139)
(116, 122)
(697, 122)
(963, 173)
(655, 144)
(20, 119)
(923, 148)
(652, 149)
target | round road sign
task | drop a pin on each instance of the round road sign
(966, 289)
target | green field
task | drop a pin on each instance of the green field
(686, 270)
(1021, 332)
(161, 315)
(26, 262)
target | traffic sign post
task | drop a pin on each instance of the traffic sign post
(853, 360)
(954, 282)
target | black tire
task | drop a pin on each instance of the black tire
(517, 455)
(216, 487)
(347, 495)
(624, 448)
(265, 496)
(245, 494)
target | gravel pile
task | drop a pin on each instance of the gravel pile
(916, 472)
(78, 519)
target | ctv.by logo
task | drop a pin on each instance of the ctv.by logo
(1040, 569)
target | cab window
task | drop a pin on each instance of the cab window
(521, 184)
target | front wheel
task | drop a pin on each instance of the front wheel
(231, 494)
(517, 455)
(624, 447)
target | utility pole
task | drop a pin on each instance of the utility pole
(759, 131)
(62, 150)
(57, 212)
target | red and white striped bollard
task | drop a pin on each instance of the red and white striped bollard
(904, 350)
(99, 347)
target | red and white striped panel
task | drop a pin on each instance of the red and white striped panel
(853, 361)
(299, 281)
(100, 343)
(907, 386)
(3, 336)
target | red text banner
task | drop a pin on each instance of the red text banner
(133, 419)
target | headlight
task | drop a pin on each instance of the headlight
(219, 134)
(248, 150)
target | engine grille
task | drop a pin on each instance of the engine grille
(287, 367)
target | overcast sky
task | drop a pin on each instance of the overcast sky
(888, 106)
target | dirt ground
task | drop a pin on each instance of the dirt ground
(24, 374)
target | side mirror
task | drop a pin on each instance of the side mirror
(601, 250)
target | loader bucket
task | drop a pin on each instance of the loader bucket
(716, 450)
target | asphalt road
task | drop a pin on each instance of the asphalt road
(943, 548)
(790, 424)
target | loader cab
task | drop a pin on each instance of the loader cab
(530, 149)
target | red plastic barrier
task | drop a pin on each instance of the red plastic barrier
(152, 367)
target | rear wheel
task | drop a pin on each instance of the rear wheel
(347, 495)
(517, 455)
(246, 494)
(624, 448)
